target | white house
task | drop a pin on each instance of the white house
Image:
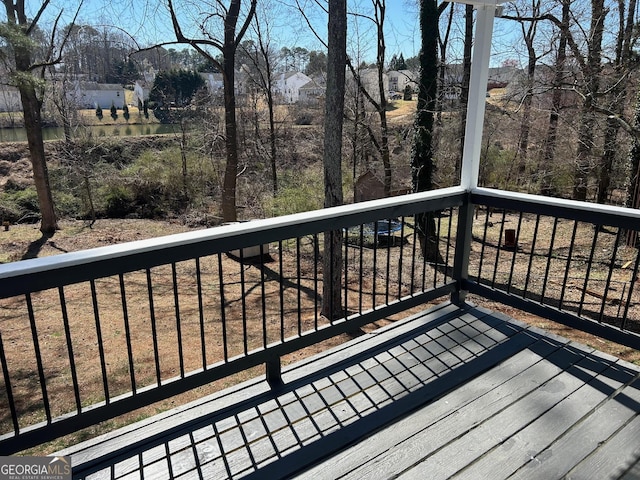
(93, 94)
(288, 86)
(399, 79)
(311, 93)
(141, 91)
(369, 80)
(214, 83)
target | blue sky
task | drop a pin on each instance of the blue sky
(148, 22)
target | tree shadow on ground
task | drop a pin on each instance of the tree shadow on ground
(34, 247)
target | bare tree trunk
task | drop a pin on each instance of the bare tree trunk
(422, 164)
(592, 78)
(525, 125)
(618, 100)
(16, 34)
(332, 156)
(33, 125)
(227, 47)
(546, 167)
(466, 77)
(633, 194)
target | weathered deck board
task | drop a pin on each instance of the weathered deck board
(449, 392)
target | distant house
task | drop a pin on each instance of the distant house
(288, 86)
(214, 83)
(310, 93)
(94, 94)
(399, 79)
(141, 91)
(10, 99)
(369, 186)
(498, 77)
(369, 80)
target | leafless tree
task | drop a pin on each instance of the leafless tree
(215, 17)
(27, 67)
(332, 155)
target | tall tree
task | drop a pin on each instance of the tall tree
(263, 60)
(617, 95)
(528, 34)
(551, 138)
(591, 68)
(466, 78)
(332, 155)
(377, 97)
(26, 72)
(422, 163)
(227, 45)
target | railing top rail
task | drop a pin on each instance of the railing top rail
(591, 212)
(122, 258)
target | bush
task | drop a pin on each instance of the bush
(297, 194)
(118, 201)
(19, 204)
(67, 204)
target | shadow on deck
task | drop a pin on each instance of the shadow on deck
(451, 392)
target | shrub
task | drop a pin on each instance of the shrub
(118, 201)
(297, 194)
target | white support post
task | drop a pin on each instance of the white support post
(477, 96)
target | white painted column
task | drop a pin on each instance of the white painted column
(477, 96)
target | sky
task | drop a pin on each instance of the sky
(148, 22)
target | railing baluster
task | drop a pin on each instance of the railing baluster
(281, 288)
(401, 257)
(361, 267)
(607, 285)
(298, 288)
(498, 249)
(176, 304)
(103, 363)
(8, 389)
(515, 251)
(345, 275)
(585, 287)
(316, 287)
(567, 267)
(243, 303)
(552, 242)
(203, 343)
(388, 264)
(414, 256)
(437, 241)
(223, 314)
(154, 328)
(634, 278)
(374, 275)
(263, 295)
(38, 353)
(72, 361)
(484, 243)
(127, 330)
(532, 254)
(448, 248)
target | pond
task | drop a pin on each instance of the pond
(57, 133)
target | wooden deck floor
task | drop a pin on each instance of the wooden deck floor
(449, 393)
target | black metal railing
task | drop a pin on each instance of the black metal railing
(88, 336)
(576, 263)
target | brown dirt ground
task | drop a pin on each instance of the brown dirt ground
(22, 241)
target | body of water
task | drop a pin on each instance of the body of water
(57, 133)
